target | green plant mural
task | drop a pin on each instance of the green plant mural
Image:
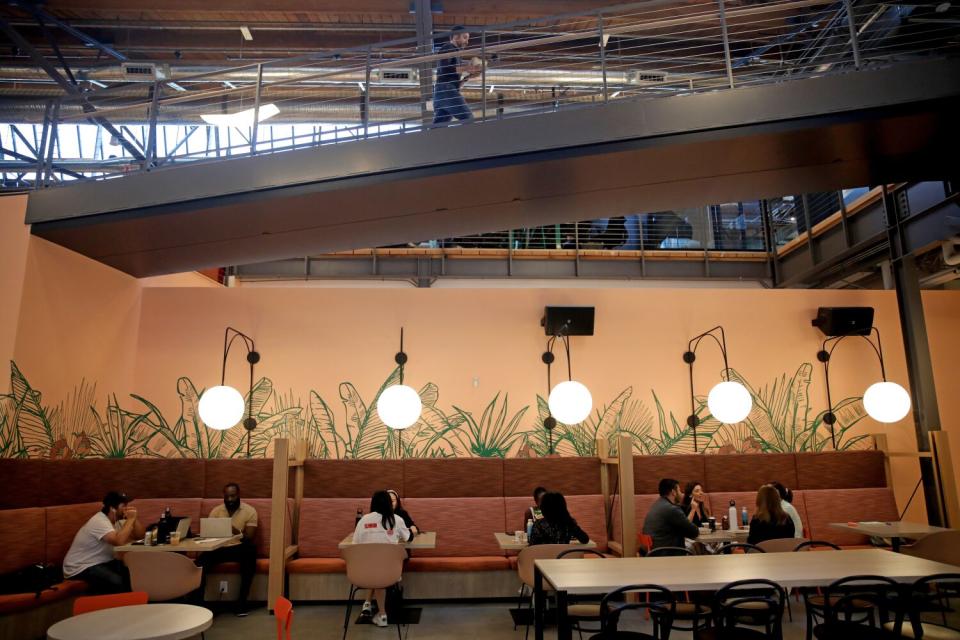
(781, 420)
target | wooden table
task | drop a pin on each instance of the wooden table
(896, 531)
(137, 622)
(423, 540)
(720, 536)
(190, 545)
(709, 573)
(508, 543)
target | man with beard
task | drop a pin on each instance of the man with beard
(91, 557)
(243, 519)
(448, 102)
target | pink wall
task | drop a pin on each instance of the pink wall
(14, 237)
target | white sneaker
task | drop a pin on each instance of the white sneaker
(367, 609)
(380, 620)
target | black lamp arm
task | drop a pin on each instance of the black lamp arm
(690, 357)
(401, 357)
(549, 423)
(253, 357)
(824, 356)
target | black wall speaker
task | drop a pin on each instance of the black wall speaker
(568, 321)
(844, 321)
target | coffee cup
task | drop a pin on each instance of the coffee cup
(174, 538)
(713, 523)
(518, 536)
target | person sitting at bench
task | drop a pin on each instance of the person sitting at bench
(533, 511)
(381, 526)
(665, 522)
(243, 521)
(770, 521)
(786, 501)
(91, 556)
(557, 525)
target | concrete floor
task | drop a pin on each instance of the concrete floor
(446, 620)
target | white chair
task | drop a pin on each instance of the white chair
(163, 575)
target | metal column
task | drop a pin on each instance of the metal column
(926, 414)
(425, 47)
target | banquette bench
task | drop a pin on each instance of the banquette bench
(464, 500)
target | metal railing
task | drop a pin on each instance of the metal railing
(640, 50)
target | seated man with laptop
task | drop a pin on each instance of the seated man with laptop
(242, 520)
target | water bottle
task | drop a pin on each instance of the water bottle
(733, 515)
(529, 527)
(744, 518)
(359, 515)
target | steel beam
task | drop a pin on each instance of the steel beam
(926, 413)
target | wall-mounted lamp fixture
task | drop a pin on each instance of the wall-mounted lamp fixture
(399, 406)
(222, 407)
(884, 401)
(728, 401)
(570, 401)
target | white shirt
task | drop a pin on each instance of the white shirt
(791, 511)
(89, 548)
(370, 529)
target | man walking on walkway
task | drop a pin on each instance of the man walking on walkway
(448, 102)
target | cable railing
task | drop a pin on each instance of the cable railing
(631, 51)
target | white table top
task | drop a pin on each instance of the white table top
(190, 545)
(508, 543)
(423, 540)
(136, 622)
(720, 535)
(889, 529)
(710, 572)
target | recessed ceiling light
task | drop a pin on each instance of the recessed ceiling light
(245, 32)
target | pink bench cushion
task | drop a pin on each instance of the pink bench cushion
(263, 506)
(22, 535)
(317, 565)
(63, 522)
(586, 510)
(459, 563)
(847, 505)
(464, 526)
(324, 522)
(17, 602)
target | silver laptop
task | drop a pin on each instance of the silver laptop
(183, 528)
(215, 528)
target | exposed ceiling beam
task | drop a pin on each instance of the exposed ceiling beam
(43, 16)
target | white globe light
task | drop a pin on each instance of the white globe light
(886, 402)
(399, 406)
(221, 407)
(729, 402)
(570, 402)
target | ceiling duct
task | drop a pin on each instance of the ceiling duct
(639, 77)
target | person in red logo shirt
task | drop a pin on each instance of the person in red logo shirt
(381, 525)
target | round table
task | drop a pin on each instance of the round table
(136, 622)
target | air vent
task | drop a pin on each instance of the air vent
(397, 75)
(646, 77)
(139, 70)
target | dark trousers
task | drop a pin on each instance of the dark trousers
(245, 554)
(109, 577)
(448, 103)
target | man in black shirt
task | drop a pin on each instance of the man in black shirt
(448, 102)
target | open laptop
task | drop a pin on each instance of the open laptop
(183, 528)
(215, 528)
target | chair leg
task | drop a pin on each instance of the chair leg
(346, 618)
(399, 633)
(523, 589)
(789, 609)
(809, 622)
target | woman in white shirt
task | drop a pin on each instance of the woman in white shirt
(381, 526)
(786, 501)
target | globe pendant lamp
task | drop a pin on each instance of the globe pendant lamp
(221, 407)
(884, 401)
(399, 406)
(728, 401)
(570, 401)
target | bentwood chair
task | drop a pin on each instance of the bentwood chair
(283, 612)
(658, 601)
(930, 595)
(525, 566)
(86, 604)
(372, 566)
(747, 610)
(163, 575)
(688, 610)
(854, 608)
(580, 612)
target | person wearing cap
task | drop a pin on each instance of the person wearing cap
(448, 102)
(91, 556)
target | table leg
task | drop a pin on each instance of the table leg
(895, 544)
(537, 603)
(563, 629)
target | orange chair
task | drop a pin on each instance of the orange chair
(645, 543)
(86, 604)
(283, 612)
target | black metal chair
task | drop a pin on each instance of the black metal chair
(855, 606)
(579, 612)
(747, 610)
(658, 601)
(811, 545)
(929, 595)
(696, 613)
(730, 547)
(812, 597)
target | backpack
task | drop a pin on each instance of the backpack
(34, 579)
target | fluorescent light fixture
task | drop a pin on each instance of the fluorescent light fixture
(241, 118)
(615, 94)
(245, 32)
(229, 85)
(98, 83)
(492, 87)
(363, 89)
(174, 85)
(605, 40)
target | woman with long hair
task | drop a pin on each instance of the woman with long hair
(381, 525)
(398, 509)
(557, 525)
(694, 504)
(769, 521)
